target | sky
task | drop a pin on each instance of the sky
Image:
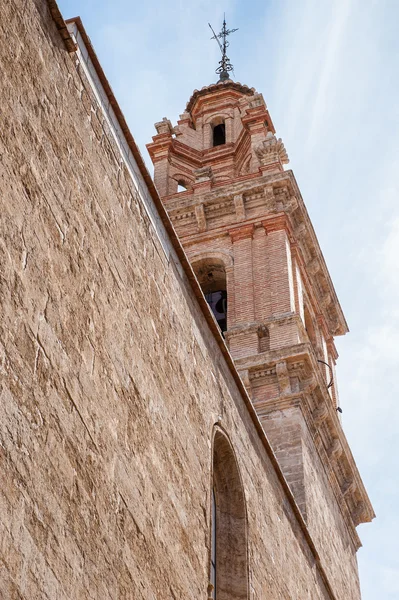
(328, 70)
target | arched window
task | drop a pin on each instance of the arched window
(211, 275)
(219, 134)
(181, 186)
(228, 568)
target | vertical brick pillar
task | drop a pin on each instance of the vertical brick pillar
(161, 175)
(229, 130)
(281, 282)
(230, 288)
(280, 271)
(207, 136)
(261, 282)
(243, 278)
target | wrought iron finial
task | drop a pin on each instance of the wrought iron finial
(224, 65)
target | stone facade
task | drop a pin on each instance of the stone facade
(120, 403)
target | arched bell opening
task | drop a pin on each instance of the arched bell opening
(182, 186)
(178, 183)
(218, 132)
(211, 275)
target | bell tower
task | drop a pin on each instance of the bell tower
(242, 221)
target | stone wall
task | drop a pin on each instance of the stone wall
(111, 380)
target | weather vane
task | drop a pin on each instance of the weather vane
(224, 65)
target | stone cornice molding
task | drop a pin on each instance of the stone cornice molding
(317, 265)
(324, 302)
(228, 85)
(323, 425)
(278, 222)
(241, 233)
(335, 449)
(320, 414)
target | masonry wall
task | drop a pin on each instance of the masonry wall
(111, 381)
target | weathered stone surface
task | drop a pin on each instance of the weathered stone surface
(111, 380)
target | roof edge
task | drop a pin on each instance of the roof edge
(218, 87)
(61, 25)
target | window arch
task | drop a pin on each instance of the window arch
(181, 186)
(211, 275)
(179, 182)
(218, 131)
(229, 565)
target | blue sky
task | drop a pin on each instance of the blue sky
(328, 70)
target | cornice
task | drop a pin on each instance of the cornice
(299, 228)
(242, 232)
(319, 263)
(228, 85)
(322, 422)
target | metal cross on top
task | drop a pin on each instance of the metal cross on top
(224, 65)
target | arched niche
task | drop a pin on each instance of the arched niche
(229, 555)
(218, 131)
(179, 183)
(211, 274)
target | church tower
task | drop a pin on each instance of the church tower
(244, 226)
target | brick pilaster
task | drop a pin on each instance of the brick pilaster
(241, 238)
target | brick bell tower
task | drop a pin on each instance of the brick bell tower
(244, 226)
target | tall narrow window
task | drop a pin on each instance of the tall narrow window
(219, 134)
(228, 568)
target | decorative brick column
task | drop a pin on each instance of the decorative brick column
(262, 288)
(241, 238)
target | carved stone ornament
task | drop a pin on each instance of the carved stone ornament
(348, 487)
(358, 513)
(320, 414)
(164, 126)
(203, 174)
(271, 150)
(256, 100)
(283, 377)
(200, 216)
(335, 450)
